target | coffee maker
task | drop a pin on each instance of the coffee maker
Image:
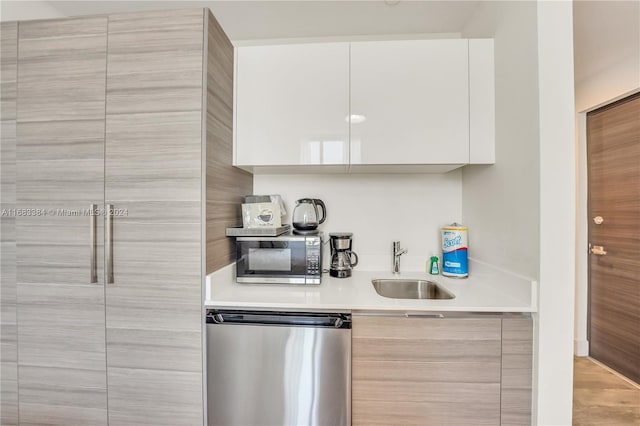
(342, 258)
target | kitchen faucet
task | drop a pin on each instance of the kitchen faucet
(397, 252)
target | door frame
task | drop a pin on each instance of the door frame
(581, 333)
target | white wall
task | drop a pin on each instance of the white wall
(609, 84)
(557, 213)
(607, 50)
(253, 20)
(378, 209)
(581, 343)
(500, 202)
(521, 210)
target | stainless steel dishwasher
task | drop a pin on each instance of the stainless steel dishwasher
(278, 368)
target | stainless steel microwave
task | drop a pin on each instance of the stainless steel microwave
(287, 259)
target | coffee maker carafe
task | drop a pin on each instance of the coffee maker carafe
(342, 258)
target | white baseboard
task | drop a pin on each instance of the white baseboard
(581, 347)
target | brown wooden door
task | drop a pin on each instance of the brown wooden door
(613, 149)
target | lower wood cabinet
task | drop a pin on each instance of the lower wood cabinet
(517, 371)
(441, 371)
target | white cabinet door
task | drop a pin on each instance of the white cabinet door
(482, 128)
(292, 105)
(410, 102)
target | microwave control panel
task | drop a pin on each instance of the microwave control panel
(314, 257)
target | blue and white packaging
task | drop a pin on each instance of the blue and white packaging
(455, 261)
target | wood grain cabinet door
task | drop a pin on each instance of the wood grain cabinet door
(8, 318)
(153, 181)
(425, 371)
(60, 173)
(517, 371)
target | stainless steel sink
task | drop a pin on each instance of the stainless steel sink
(410, 289)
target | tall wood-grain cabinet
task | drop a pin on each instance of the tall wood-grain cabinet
(8, 311)
(124, 186)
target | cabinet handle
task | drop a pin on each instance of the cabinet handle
(424, 315)
(93, 252)
(109, 248)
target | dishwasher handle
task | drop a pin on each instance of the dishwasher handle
(295, 319)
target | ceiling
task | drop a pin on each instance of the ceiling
(605, 33)
(250, 20)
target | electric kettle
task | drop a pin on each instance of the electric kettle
(306, 217)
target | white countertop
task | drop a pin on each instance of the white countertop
(488, 289)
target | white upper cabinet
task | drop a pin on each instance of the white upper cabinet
(482, 133)
(292, 105)
(410, 102)
(379, 106)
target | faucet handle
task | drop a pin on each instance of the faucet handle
(397, 252)
(397, 249)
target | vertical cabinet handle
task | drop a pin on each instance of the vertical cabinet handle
(109, 248)
(93, 250)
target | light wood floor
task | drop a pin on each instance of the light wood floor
(602, 398)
